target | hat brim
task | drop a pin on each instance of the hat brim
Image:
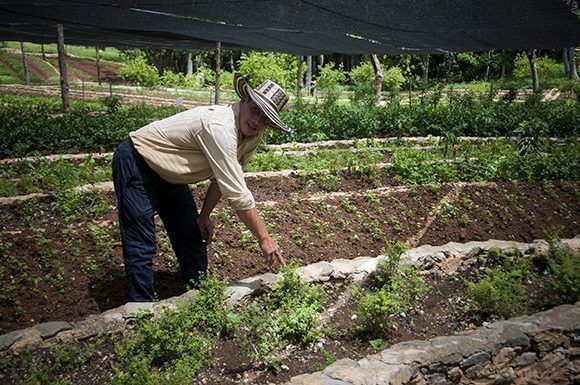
(244, 90)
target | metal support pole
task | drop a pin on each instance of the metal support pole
(64, 90)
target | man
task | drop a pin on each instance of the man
(151, 170)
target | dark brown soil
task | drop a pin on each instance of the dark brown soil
(48, 275)
(441, 311)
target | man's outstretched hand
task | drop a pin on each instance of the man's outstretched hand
(271, 251)
(206, 227)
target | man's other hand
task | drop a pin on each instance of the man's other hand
(206, 227)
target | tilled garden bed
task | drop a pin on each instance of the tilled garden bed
(444, 308)
(62, 257)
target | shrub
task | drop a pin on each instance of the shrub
(392, 80)
(259, 66)
(564, 274)
(139, 72)
(289, 315)
(172, 348)
(363, 82)
(330, 81)
(501, 292)
(394, 289)
(547, 68)
(172, 79)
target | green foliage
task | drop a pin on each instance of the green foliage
(112, 103)
(172, 79)
(363, 81)
(393, 79)
(330, 80)
(501, 291)
(139, 72)
(289, 315)
(173, 347)
(259, 66)
(531, 135)
(572, 88)
(394, 289)
(564, 273)
(547, 68)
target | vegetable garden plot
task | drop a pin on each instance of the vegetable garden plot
(61, 256)
(299, 328)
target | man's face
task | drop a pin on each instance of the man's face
(252, 120)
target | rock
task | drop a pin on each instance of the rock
(505, 377)
(131, 309)
(266, 280)
(504, 356)
(316, 272)
(50, 329)
(342, 268)
(30, 338)
(435, 379)
(238, 292)
(475, 359)
(549, 340)
(454, 375)
(525, 359)
(6, 340)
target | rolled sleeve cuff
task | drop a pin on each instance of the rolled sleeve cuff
(242, 202)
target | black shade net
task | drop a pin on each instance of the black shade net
(299, 27)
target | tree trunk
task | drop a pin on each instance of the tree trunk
(218, 59)
(566, 61)
(378, 75)
(532, 58)
(572, 63)
(426, 69)
(42, 52)
(299, 80)
(63, 72)
(232, 68)
(321, 60)
(24, 64)
(308, 74)
(189, 69)
(98, 59)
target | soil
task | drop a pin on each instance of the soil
(441, 311)
(51, 276)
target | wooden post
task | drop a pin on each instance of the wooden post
(110, 89)
(63, 72)
(83, 87)
(218, 60)
(299, 80)
(24, 64)
(97, 56)
(308, 74)
(42, 51)
(378, 76)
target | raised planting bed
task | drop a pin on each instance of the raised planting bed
(418, 316)
(61, 255)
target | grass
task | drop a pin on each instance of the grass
(108, 53)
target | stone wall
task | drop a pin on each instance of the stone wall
(540, 349)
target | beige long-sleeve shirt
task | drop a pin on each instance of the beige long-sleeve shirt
(199, 144)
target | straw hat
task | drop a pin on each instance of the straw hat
(268, 96)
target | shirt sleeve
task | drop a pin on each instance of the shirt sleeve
(221, 153)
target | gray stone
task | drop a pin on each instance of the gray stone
(316, 272)
(370, 266)
(368, 372)
(342, 268)
(50, 329)
(266, 280)
(408, 353)
(6, 340)
(238, 292)
(505, 377)
(525, 359)
(475, 359)
(315, 379)
(131, 309)
(454, 375)
(435, 378)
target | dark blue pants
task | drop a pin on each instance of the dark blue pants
(141, 193)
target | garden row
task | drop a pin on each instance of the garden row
(532, 159)
(35, 125)
(286, 327)
(62, 258)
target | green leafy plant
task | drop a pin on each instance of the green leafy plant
(564, 273)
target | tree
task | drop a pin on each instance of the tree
(532, 58)
(378, 76)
